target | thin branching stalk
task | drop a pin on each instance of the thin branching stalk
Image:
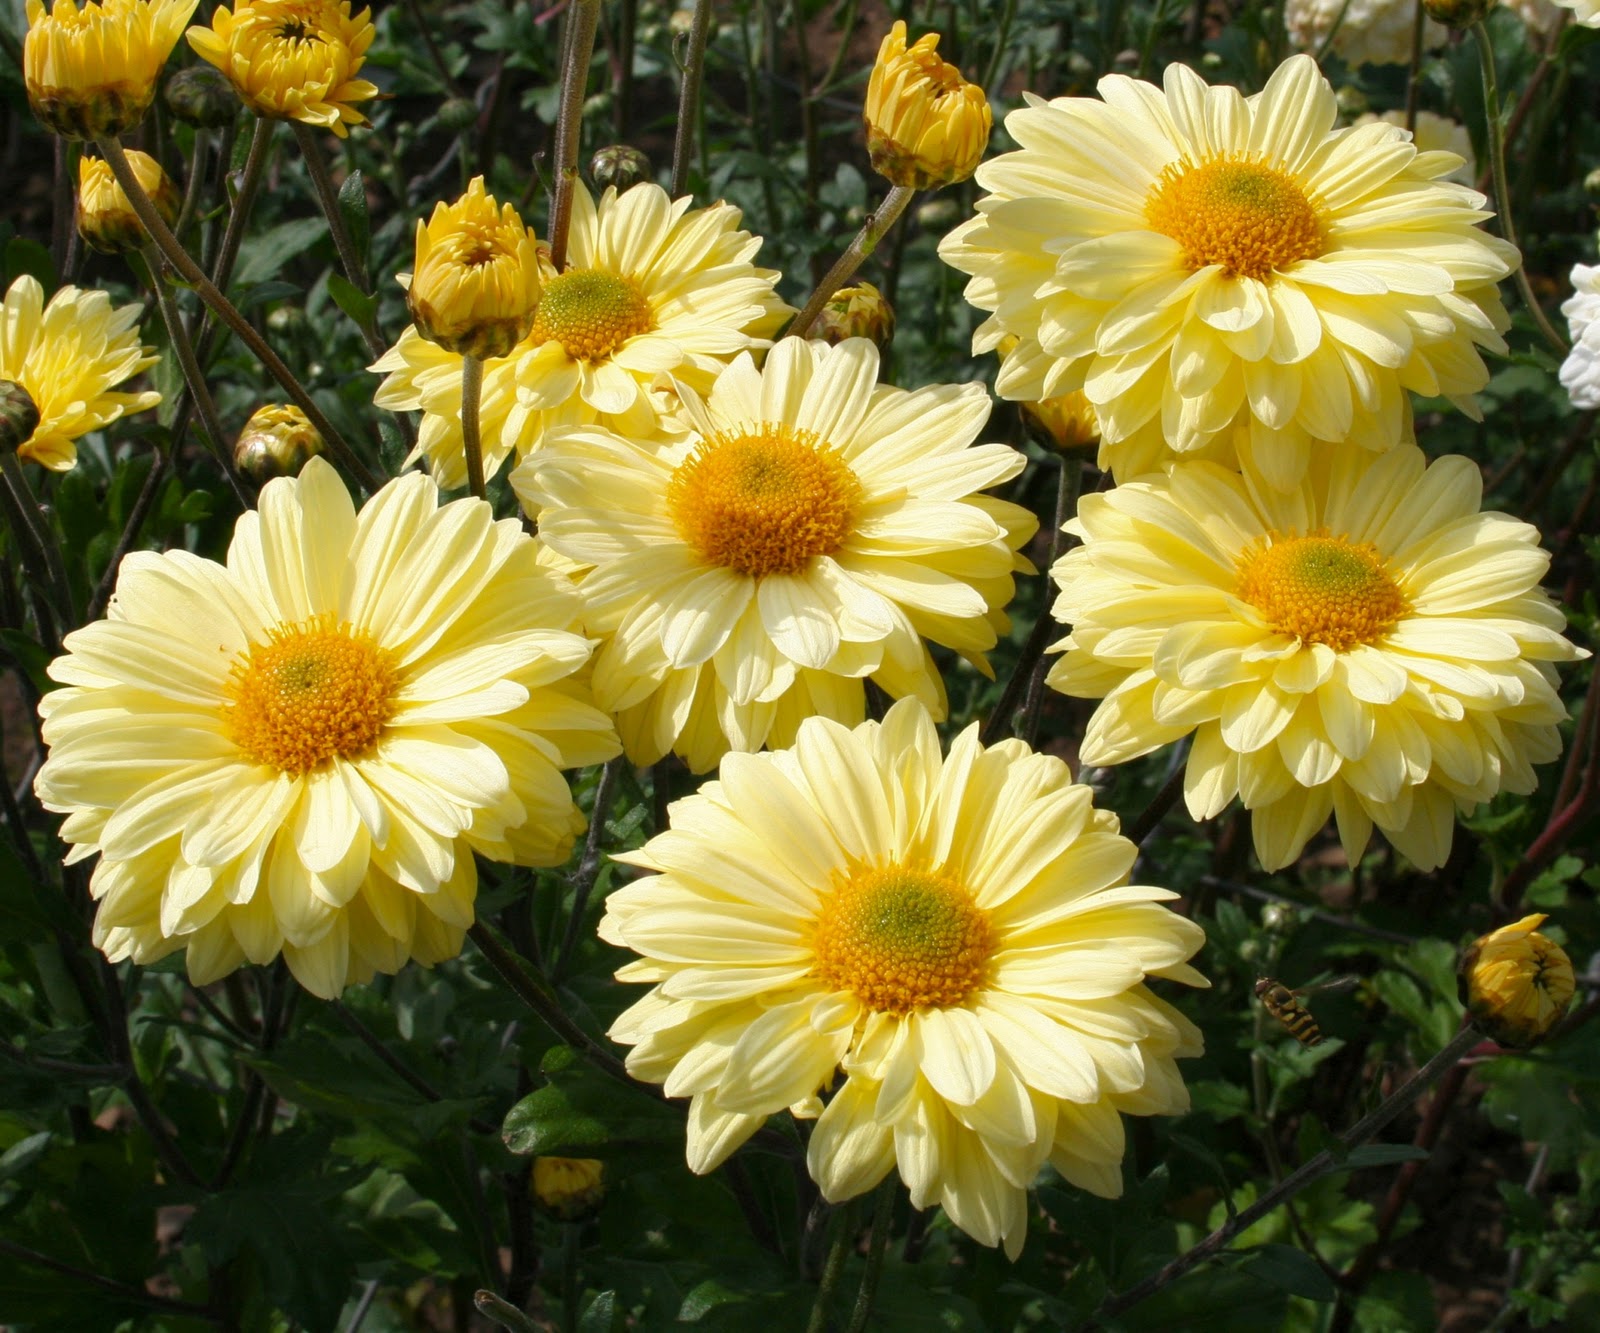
(867, 239)
(120, 1291)
(255, 166)
(191, 186)
(40, 551)
(1160, 805)
(471, 436)
(193, 377)
(694, 68)
(878, 1238)
(328, 198)
(589, 866)
(844, 1235)
(1502, 190)
(62, 214)
(1324, 1163)
(1413, 74)
(583, 19)
(1326, 45)
(225, 310)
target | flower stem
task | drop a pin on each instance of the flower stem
(584, 19)
(878, 1238)
(192, 376)
(1324, 1163)
(694, 67)
(328, 198)
(38, 541)
(1413, 79)
(1502, 187)
(255, 165)
(844, 1234)
(471, 439)
(225, 310)
(872, 232)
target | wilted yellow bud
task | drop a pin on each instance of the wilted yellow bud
(106, 219)
(861, 311)
(92, 72)
(1068, 421)
(293, 59)
(568, 1187)
(926, 125)
(277, 441)
(476, 282)
(1517, 982)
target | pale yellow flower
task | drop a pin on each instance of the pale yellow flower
(92, 71)
(1436, 134)
(301, 751)
(1366, 644)
(811, 532)
(940, 959)
(475, 282)
(69, 355)
(293, 59)
(1519, 983)
(1231, 271)
(105, 218)
(926, 125)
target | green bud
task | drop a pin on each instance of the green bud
(458, 114)
(202, 96)
(619, 165)
(1457, 14)
(19, 416)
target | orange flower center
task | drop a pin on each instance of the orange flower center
(591, 313)
(315, 691)
(900, 939)
(766, 501)
(1252, 219)
(1321, 589)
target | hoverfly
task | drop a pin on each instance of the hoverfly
(1285, 1005)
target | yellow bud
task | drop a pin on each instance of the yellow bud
(568, 1187)
(926, 125)
(92, 72)
(106, 219)
(277, 441)
(1067, 421)
(861, 311)
(1517, 982)
(293, 59)
(475, 285)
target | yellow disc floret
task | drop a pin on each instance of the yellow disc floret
(768, 500)
(1250, 218)
(1321, 589)
(900, 938)
(591, 313)
(315, 691)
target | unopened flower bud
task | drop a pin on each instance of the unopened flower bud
(618, 165)
(475, 284)
(568, 1188)
(277, 441)
(861, 311)
(1517, 983)
(106, 219)
(19, 416)
(1457, 14)
(926, 125)
(458, 113)
(1067, 421)
(202, 96)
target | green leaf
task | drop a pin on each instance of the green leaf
(29, 257)
(351, 299)
(1383, 1154)
(264, 256)
(353, 210)
(30, 655)
(1223, 1300)
(1292, 1270)
(601, 1316)
(582, 1113)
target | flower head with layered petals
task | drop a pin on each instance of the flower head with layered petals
(1219, 269)
(954, 936)
(293, 59)
(1580, 372)
(1517, 982)
(653, 288)
(92, 70)
(811, 530)
(300, 751)
(1366, 644)
(926, 125)
(69, 355)
(105, 217)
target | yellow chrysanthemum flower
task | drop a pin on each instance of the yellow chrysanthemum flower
(957, 937)
(653, 289)
(1231, 271)
(68, 355)
(1518, 983)
(293, 59)
(1365, 644)
(810, 532)
(300, 751)
(106, 219)
(92, 71)
(926, 125)
(475, 282)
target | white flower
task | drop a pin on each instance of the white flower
(1372, 32)
(1580, 372)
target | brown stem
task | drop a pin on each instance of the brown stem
(471, 437)
(694, 66)
(328, 198)
(872, 232)
(583, 19)
(225, 310)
